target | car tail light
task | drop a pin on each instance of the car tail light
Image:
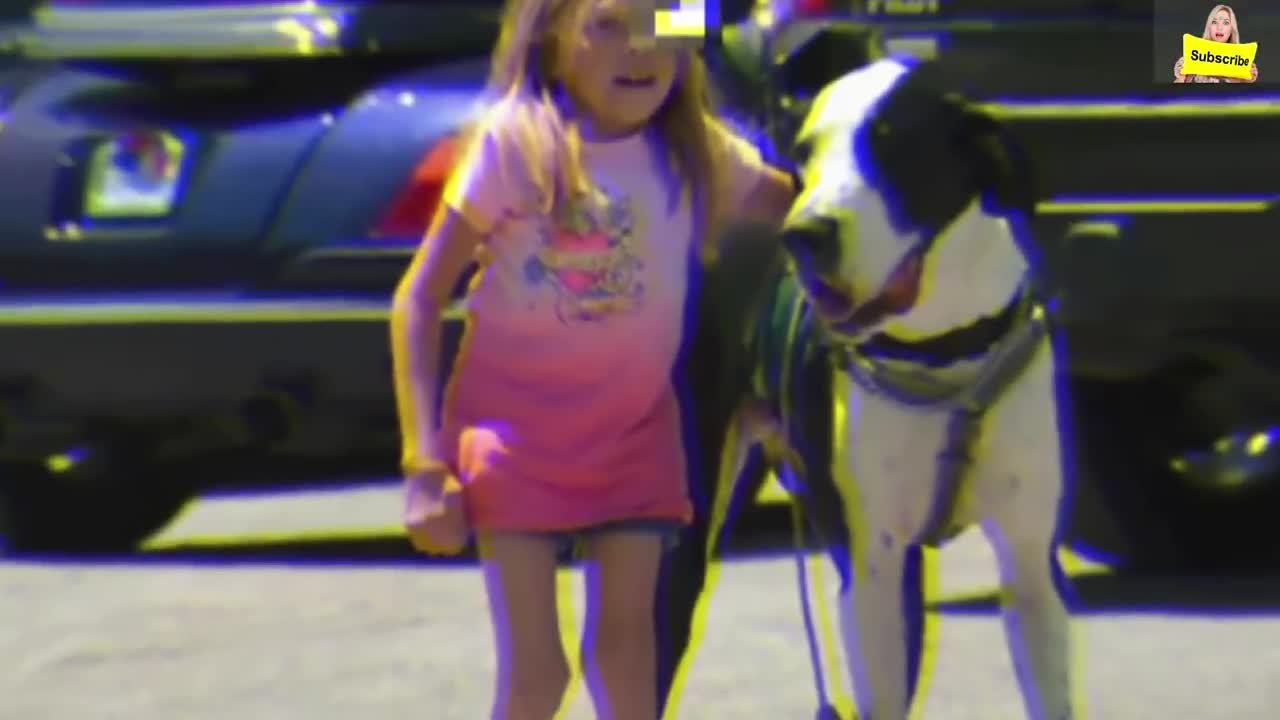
(781, 14)
(409, 213)
(810, 8)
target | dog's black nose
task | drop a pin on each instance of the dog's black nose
(814, 243)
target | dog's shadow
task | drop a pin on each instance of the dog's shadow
(1115, 593)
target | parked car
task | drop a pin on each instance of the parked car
(205, 209)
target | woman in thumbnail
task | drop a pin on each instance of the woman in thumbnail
(1220, 26)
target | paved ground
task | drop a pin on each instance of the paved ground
(280, 628)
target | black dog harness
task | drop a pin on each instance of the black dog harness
(1008, 341)
(789, 338)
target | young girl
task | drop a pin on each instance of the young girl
(582, 190)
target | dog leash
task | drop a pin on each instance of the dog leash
(966, 405)
(826, 710)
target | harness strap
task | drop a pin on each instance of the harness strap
(795, 353)
(964, 426)
(966, 404)
(918, 386)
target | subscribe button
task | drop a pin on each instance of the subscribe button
(1206, 57)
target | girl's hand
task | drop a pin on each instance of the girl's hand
(1253, 73)
(433, 513)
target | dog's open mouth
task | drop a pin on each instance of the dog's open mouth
(837, 306)
(831, 302)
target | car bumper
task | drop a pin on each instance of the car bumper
(138, 358)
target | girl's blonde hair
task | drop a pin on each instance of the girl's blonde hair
(1235, 27)
(524, 71)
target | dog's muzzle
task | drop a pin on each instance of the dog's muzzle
(814, 246)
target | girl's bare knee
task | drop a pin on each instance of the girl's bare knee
(536, 691)
(621, 670)
(533, 674)
(621, 577)
(621, 640)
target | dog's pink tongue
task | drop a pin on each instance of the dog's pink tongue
(903, 288)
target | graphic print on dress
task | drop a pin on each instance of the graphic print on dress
(587, 255)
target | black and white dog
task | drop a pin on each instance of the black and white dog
(909, 263)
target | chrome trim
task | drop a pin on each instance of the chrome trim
(1156, 205)
(1173, 108)
(176, 309)
(225, 31)
(362, 251)
(1093, 229)
(69, 233)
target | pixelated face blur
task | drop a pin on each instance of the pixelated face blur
(616, 75)
(1220, 26)
(839, 231)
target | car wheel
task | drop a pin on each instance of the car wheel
(1129, 438)
(83, 505)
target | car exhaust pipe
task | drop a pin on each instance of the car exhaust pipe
(269, 418)
(266, 418)
(272, 415)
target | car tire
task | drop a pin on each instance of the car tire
(1135, 512)
(109, 507)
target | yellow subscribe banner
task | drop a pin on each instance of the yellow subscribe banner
(1206, 57)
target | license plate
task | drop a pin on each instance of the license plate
(134, 175)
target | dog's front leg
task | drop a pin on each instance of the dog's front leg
(1036, 621)
(1021, 484)
(873, 622)
(875, 628)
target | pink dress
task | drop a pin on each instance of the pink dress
(560, 413)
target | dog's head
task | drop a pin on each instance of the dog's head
(889, 157)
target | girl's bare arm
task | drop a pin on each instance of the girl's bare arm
(770, 200)
(417, 307)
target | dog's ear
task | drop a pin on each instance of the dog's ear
(1001, 167)
(907, 150)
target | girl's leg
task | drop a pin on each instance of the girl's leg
(520, 577)
(618, 647)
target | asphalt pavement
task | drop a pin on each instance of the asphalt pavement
(308, 606)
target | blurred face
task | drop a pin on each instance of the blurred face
(1220, 26)
(612, 69)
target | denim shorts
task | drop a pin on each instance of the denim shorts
(571, 543)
